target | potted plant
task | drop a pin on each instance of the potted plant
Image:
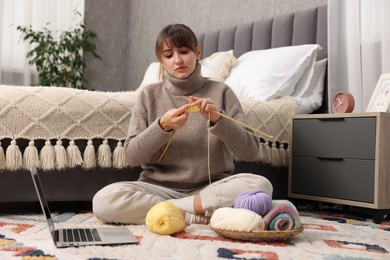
(58, 56)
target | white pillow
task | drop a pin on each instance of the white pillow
(272, 73)
(216, 67)
(151, 75)
(311, 100)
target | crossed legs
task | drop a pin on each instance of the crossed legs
(129, 202)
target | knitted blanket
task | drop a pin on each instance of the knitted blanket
(272, 117)
(55, 114)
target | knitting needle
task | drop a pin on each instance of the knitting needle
(245, 125)
(173, 135)
(166, 147)
(238, 122)
(215, 111)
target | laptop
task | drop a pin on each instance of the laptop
(67, 237)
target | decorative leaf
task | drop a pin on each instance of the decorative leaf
(60, 62)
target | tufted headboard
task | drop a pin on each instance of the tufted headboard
(303, 27)
(308, 26)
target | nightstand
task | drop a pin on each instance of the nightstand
(342, 159)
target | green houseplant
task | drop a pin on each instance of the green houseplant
(58, 56)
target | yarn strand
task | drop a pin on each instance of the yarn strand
(209, 158)
(208, 148)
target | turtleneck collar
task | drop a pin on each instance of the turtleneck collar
(187, 85)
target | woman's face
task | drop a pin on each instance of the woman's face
(179, 62)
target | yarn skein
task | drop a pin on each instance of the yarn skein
(257, 201)
(164, 218)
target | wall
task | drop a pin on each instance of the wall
(127, 30)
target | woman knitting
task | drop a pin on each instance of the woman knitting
(193, 170)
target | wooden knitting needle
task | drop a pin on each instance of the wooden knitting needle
(215, 111)
(166, 147)
(238, 122)
(245, 125)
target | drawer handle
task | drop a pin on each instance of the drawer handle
(331, 119)
(329, 159)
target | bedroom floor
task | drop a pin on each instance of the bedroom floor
(331, 209)
(302, 205)
(331, 234)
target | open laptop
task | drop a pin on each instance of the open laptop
(66, 237)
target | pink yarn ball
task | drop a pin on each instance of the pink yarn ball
(257, 201)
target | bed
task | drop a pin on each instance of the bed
(226, 53)
(249, 57)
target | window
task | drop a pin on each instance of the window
(53, 14)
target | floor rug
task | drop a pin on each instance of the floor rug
(326, 237)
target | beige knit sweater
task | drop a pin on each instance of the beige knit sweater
(184, 167)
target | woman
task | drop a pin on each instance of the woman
(182, 152)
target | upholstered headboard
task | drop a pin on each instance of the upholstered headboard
(303, 27)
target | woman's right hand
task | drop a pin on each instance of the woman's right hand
(174, 118)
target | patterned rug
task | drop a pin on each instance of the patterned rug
(326, 236)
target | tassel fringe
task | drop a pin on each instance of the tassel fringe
(274, 154)
(61, 157)
(2, 158)
(31, 156)
(74, 155)
(283, 151)
(119, 158)
(229, 62)
(58, 157)
(14, 158)
(104, 155)
(47, 156)
(89, 156)
(275, 157)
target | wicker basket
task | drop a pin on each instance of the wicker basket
(265, 235)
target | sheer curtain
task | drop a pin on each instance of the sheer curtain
(53, 14)
(359, 47)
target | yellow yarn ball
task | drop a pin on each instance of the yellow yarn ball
(164, 218)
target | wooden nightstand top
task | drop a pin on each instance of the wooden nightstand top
(345, 115)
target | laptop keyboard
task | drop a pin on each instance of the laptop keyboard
(79, 235)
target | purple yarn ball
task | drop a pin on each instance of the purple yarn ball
(257, 201)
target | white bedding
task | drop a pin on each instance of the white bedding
(265, 75)
(272, 85)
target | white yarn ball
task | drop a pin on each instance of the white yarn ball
(237, 219)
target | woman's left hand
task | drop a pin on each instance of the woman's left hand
(207, 107)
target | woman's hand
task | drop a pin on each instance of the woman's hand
(207, 107)
(174, 118)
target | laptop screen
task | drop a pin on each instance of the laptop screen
(43, 201)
